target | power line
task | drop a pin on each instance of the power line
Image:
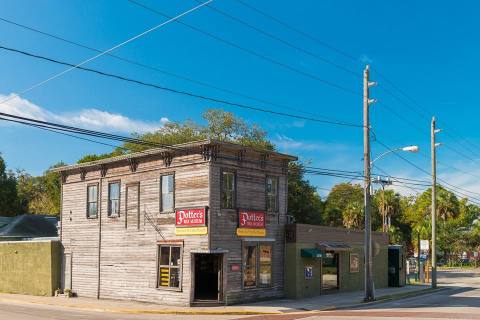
(424, 171)
(251, 52)
(282, 41)
(304, 34)
(105, 52)
(183, 92)
(156, 69)
(419, 111)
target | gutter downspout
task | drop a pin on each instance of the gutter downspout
(99, 234)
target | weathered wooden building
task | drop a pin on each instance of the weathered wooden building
(197, 222)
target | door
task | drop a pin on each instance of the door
(67, 271)
(208, 277)
(132, 217)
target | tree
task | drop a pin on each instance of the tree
(9, 204)
(221, 125)
(353, 217)
(342, 196)
(304, 203)
(40, 195)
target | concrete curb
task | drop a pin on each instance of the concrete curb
(194, 311)
(392, 297)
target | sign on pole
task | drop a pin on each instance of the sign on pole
(424, 245)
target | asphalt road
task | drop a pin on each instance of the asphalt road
(461, 300)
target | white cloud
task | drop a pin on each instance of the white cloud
(286, 143)
(90, 118)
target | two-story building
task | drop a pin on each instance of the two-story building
(193, 223)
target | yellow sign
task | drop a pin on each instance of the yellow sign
(251, 232)
(191, 231)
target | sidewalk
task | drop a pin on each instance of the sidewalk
(279, 306)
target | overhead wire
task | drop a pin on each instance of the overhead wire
(59, 74)
(252, 52)
(156, 69)
(183, 92)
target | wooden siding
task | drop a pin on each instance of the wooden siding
(250, 195)
(128, 255)
(115, 258)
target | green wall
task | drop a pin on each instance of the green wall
(296, 286)
(30, 267)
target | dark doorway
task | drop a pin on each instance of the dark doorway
(208, 277)
(330, 274)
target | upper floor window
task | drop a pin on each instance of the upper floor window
(167, 202)
(92, 201)
(228, 189)
(114, 199)
(272, 194)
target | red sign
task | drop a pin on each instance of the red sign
(251, 219)
(190, 217)
(235, 267)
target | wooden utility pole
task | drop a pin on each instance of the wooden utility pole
(369, 287)
(434, 205)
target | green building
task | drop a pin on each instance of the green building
(322, 260)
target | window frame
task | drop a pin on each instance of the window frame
(109, 213)
(160, 204)
(277, 195)
(88, 202)
(222, 186)
(179, 267)
(257, 246)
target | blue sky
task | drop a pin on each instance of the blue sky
(430, 50)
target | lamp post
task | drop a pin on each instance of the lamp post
(388, 182)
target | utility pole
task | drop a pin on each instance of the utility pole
(369, 287)
(434, 203)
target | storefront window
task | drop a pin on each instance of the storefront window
(257, 266)
(250, 266)
(169, 266)
(265, 279)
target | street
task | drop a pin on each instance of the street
(459, 300)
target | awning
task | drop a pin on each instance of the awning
(311, 253)
(334, 246)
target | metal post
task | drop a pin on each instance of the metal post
(369, 288)
(434, 206)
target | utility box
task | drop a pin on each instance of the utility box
(396, 266)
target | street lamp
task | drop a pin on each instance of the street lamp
(413, 149)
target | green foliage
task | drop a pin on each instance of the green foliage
(221, 125)
(342, 197)
(304, 203)
(40, 195)
(9, 204)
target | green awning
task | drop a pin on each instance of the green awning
(311, 253)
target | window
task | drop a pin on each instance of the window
(169, 266)
(257, 266)
(250, 264)
(114, 199)
(265, 272)
(167, 202)
(228, 190)
(272, 194)
(92, 201)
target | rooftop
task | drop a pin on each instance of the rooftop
(184, 147)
